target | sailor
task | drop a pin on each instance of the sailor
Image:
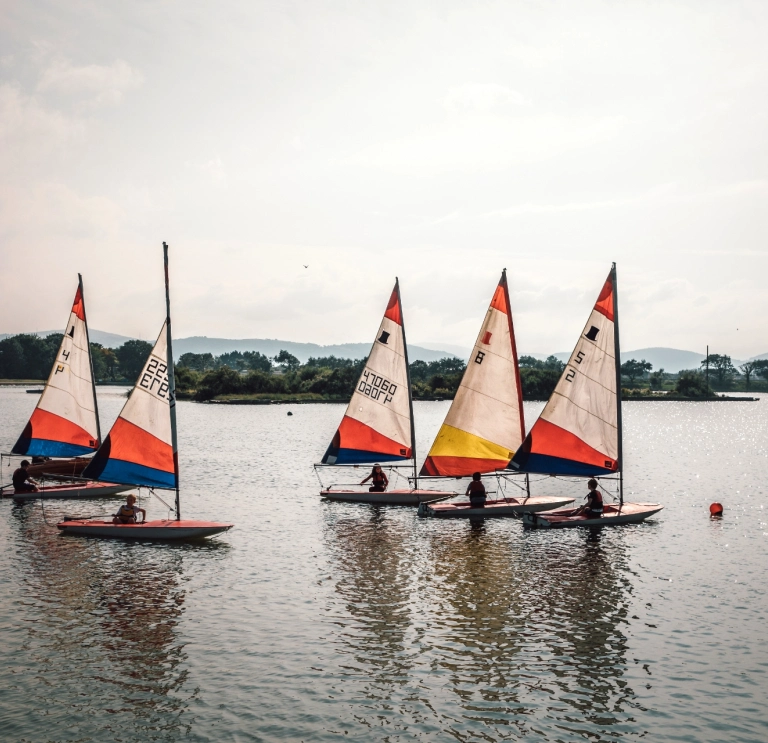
(379, 481)
(128, 513)
(22, 482)
(593, 509)
(476, 492)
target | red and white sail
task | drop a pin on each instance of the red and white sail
(139, 448)
(65, 422)
(377, 424)
(484, 425)
(578, 430)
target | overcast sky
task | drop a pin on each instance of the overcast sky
(439, 142)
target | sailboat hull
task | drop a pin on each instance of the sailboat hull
(176, 530)
(388, 497)
(629, 513)
(494, 508)
(65, 492)
(53, 467)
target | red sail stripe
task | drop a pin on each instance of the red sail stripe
(460, 466)
(77, 307)
(604, 303)
(130, 443)
(499, 301)
(551, 440)
(356, 435)
(52, 427)
(394, 311)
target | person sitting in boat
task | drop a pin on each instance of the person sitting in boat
(22, 482)
(379, 481)
(128, 513)
(593, 508)
(476, 492)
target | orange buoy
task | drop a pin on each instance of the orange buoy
(716, 509)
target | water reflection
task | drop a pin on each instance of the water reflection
(102, 621)
(532, 628)
(371, 573)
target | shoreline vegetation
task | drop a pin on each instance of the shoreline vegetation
(251, 378)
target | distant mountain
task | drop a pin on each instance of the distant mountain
(671, 360)
(108, 340)
(302, 351)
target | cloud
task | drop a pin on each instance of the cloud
(212, 169)
(99, 84)
(486, 98)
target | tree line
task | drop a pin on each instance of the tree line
(28, 356)
(331, 377)
(204, 376)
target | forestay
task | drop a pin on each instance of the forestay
(139, 449)
(578, 430)
(484, 426)
(65, 421)
(377, 424)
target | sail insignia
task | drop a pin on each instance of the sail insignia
(577, 433)
(376, 426)
(65, 421)
(139, 448)
(484, 425)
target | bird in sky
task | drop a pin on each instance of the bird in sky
(305, 266)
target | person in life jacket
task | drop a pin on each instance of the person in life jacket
(128, 513)
(593, 508)
(379, 481)
(22, 482)
(476, 492)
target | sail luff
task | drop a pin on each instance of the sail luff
(377, 424)
(518, 383)
(577, 432)
(64, 422)
(90, 362)
(617, 351)
(484, 425)
(171, 381)
(410, 388)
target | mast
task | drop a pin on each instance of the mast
(617, 351)
(410, 391)
(517, 370)
(171, 381)
(90, 361)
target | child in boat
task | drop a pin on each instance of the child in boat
(593, 508)
(128, 513)
(379, 480)
(476, 492)
(22, 482)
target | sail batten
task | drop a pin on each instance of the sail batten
(578, 432)
(377, 424)
(65, 421)
(139, 450)
(484, 425)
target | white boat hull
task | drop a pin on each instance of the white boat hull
(388, 497)
(494, 508)
(65, 492)
(184, 529)
(629, 513)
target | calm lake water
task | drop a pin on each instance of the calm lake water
(320, 621)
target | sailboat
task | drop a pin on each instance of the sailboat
(378, 424)
(141, 449)
(579, 432)
(65, 422)
(485, 423)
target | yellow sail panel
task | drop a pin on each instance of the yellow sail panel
(484, 425)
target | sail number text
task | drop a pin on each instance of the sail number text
(155, 375)
(376, 387)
